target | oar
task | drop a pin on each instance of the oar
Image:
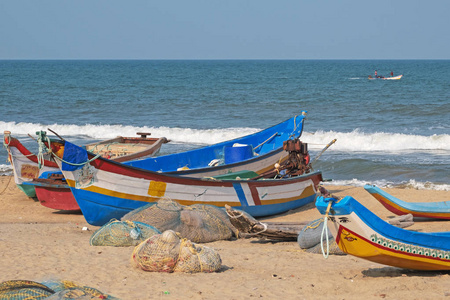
(323, 150)
(56, 134)
(266, 141)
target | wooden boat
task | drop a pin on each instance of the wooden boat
(26, 164)
(361, 233)
(257, 152)
(386, 78)
(436, 210)
(52, 191)
(105, 189)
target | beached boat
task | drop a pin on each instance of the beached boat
(386, 78)
(26, 164)
(436, 210)
(257, 152)
(107, 190)
(361, 233)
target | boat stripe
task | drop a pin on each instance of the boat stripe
(240, 193)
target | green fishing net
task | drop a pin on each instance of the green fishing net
(52, 290)
(24, 289)
(198, 223)
(167, 252)
(122, 234)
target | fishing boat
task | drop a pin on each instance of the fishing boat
(435, 210)
(28, 166)
(386, 78)
(361, 233)
(107, 190)
(257, 152)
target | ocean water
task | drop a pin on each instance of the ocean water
(389, 133)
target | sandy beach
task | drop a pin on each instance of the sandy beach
(39, 244)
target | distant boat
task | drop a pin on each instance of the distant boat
(386, 78)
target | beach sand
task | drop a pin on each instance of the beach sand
(39, 244)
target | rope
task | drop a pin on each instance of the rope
(325, 231)
(296, 126)
(241, 213)
(233, 216)
(49, 151)
(261, 231)
(40, 155)
(6, 185)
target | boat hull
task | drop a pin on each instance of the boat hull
(434, 210)
(57, 197)
(359, 232)
(105, 190)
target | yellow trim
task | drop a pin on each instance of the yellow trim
(354, 245)
(308, 191)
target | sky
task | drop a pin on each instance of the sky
(227, 29)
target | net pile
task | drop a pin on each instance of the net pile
(122, 234)
(167, 252)
(309, 239)
(199, 223)
(24, 289)
(31, 290)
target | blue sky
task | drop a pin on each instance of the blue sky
(210, 29)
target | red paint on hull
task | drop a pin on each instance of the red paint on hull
(57, 198)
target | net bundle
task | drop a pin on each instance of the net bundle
(310, 236)
(199, 223)
(122, 234)
(167, 252)
(24, 289)
(31, 290)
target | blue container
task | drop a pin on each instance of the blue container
(237, 153)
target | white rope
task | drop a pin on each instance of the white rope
(325, 231)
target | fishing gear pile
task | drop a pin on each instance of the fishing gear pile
(122, 234)
(167, 252)
(199, 223)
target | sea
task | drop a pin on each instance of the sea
(391, 133)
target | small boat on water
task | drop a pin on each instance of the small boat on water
(361, 233)
(26, 164)
(435, 210)
(107, 190)
(386, 78)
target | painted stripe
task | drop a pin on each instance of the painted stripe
(246, 188)
(240, 193)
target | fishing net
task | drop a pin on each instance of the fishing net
(167, 252)
(199, 223)
(24, 289)
(31, 290)
(122, 234)
(310, 236)
(70, 290)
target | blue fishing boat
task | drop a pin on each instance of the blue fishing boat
(107, 190)
(435, 210)
(257, 152)
(361, 233)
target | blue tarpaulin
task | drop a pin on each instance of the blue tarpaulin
(73, 154)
